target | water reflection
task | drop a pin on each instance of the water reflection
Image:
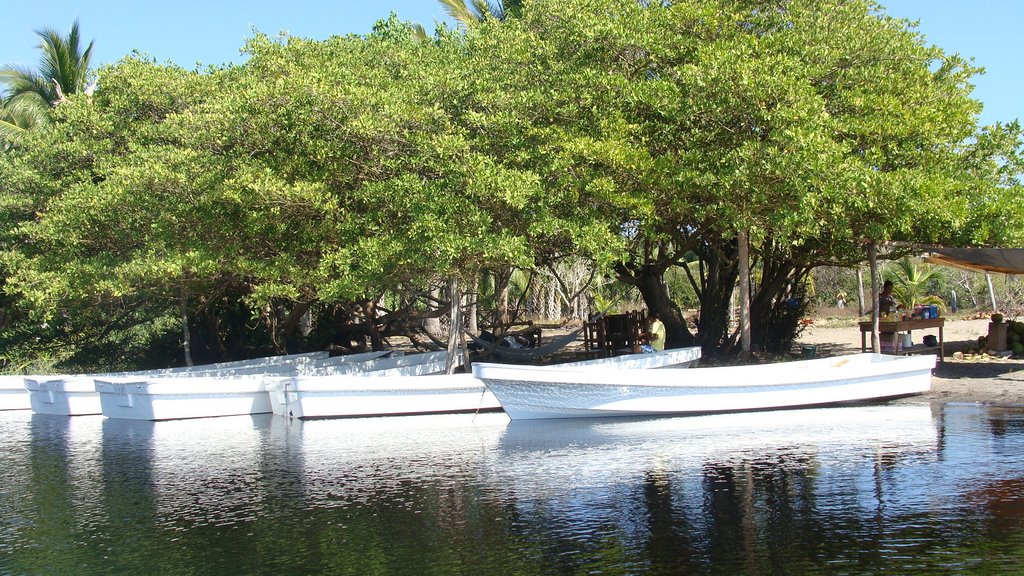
(355, 460)
(903, 488)
(733, 490)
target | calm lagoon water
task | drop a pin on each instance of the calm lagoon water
(903, 489)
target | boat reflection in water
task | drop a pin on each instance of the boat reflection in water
(900, 488)
(359, 459)
(723, 490)
(193, 472)
(599, 451)
(225, 470)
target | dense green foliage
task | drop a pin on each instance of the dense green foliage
(641, 138)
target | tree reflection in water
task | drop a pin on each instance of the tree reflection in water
(905, 489)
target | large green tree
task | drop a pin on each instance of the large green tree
(816, 127)
(318, 172)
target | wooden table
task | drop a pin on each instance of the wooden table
(889, 328)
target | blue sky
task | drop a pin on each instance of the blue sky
(212, 32)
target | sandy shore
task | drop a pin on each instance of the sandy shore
(958, 378)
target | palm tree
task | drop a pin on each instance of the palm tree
(475, 11)
(910, 283)
(28, 96)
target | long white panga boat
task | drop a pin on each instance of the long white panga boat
(531, 392)
(13, 394)
(356, 390)
(389, 392)
(402, 391)
(176, 397)
(230, 391)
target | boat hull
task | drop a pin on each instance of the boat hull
(182, 398)
(553, 392)
(63, 395)
(379, 395)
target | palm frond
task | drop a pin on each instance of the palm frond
(27, 110)
(8, 135)
(18, 80)
(462, 13)
(12, 125)
(62, 60)
(483, 9)
(477, 11)
(419, 33)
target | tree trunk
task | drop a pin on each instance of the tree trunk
(503, 291)
(370, 318)
(290, 327)
(744, 272)
(455, 326)
(991, 291)
(873, 266)
(473, 308)
(861, 308)
(186, 342)
(651, 284)
(432, 324)
(719, 275)
(777, 302)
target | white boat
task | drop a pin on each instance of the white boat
(233, 391)
(176, 397)
(401, 391)
(78, 394)
(390, 392)
(531, 392)
(378, 387)
(13, 394)
(63, 395)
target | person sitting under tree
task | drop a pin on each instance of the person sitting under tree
(653, 340)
